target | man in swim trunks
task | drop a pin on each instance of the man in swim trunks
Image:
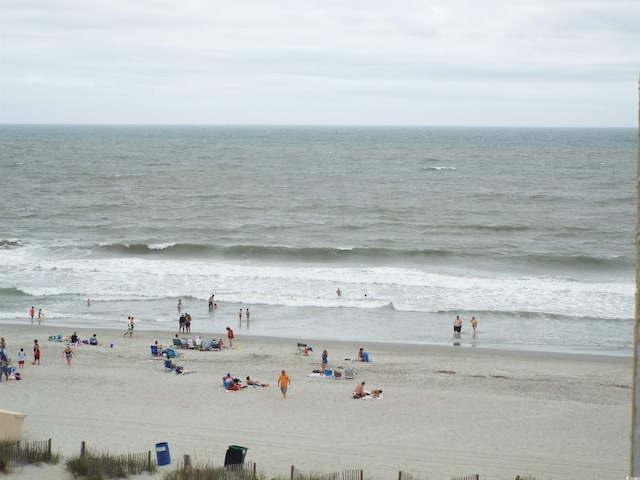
(457, 326)
(359, 393)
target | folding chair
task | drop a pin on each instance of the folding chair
(303, 349)
(349, 374)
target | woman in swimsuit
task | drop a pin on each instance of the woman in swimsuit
(68, 353)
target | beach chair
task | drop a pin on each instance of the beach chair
(168, 365)
(154, 351)
(337, 374)
(177, 343)
(191, 344)
(184, 343)
(328, 373)
(303, 349)
(214, 345)
(171, 353)
(349, 374)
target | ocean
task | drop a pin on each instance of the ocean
(531, 230)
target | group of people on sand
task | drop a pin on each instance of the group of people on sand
(231, 383)
(360, 392)
(67, 352)
(324, 359)
(457, 325)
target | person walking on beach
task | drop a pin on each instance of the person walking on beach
(21, 358)
(129, 332)
(68, 353)
(284, 382)
(36, 353)
(457, 326)
(474, 324)
(32, 312)
(324, 361)
(230, 337)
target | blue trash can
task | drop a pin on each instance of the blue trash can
(162, 454)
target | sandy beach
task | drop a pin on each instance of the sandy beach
(445, 412)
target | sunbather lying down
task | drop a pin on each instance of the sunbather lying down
(177, 369)
(181, 371)
(256, 383)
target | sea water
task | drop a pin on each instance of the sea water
(530, 230)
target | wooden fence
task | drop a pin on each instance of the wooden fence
(115, 466)
(24, 453)
(118, 466)
(407, 476)
(343, 475)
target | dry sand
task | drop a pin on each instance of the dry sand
(446, 412)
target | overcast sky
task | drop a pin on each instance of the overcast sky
(322, 62)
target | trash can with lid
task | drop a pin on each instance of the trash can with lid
(235, 455)
(162, 454)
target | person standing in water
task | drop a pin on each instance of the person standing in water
(457, 326)
(474, 324)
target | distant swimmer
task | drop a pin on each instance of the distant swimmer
(339, 292)
(240, 315)
(247, 314)
(88, 302)
(457, 326)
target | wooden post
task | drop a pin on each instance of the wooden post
(361, 474)
(253, 470)
(83, 447)
(149, 460)
(293, 469)
(635, 407)
(400, 475)
(187, 461)
(49, 448)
